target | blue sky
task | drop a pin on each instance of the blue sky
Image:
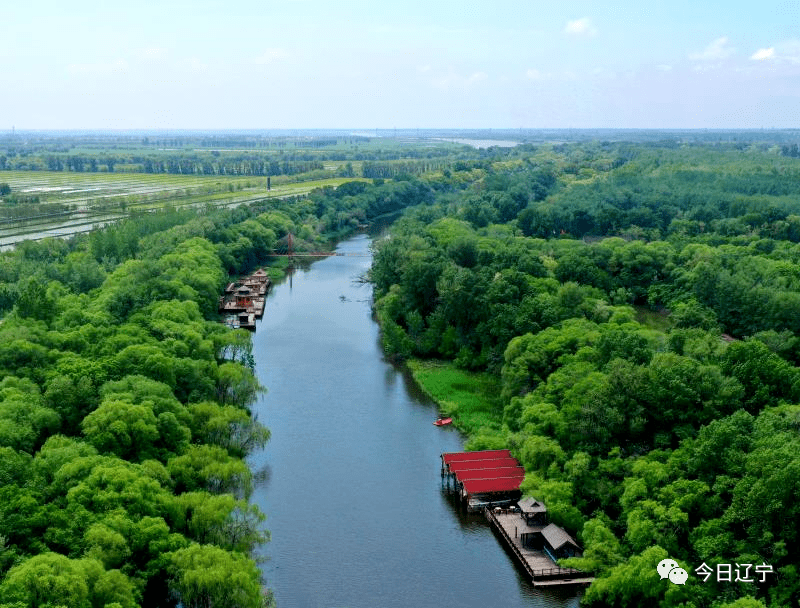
(205, 64)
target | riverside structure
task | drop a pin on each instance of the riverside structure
(489, 481)
(244, 300)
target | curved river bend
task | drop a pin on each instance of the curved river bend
(350, 478)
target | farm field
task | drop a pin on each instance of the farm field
(90, 189)
(97, 199)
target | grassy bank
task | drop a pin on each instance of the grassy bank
(471, 398)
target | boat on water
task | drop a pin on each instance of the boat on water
(442, 421)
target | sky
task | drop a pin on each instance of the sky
(204, 64)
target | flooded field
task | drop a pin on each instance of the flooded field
(94, 200)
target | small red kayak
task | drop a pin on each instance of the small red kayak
(442, 421)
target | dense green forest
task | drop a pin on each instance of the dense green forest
(637, 306)
(124, 405)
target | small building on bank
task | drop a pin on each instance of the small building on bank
(533, 511)
(551, 539)
(558, 544)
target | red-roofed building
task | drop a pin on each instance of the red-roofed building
(491, 473)
(483, 478)
(471, 465)
(449, 457)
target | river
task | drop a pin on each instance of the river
(350, 478)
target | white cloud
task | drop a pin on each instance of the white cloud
(476, 77)
(763, 54)
(580, 27)
(783, 52)
(271, 55)
(716, 51)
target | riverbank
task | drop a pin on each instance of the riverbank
(353, 450)
(471, 398)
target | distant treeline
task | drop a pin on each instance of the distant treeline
(212, 164)
(193, 165)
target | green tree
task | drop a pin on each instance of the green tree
(205, 576)
(236, 385)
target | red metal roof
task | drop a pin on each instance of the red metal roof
(485, 486)
(491, 473)
(479, 455)
(494, 463)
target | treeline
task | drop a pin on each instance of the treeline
(356, 203)
(662, 192)
(193, 165)
(378, 170)
(790, 150)
(235, 166)
(275, 159)
(668, 429)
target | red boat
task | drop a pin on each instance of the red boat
(442, 421)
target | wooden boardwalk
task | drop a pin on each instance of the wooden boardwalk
(542, 570)
(244, 300)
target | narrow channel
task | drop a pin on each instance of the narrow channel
(350, 478)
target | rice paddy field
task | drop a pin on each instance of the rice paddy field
(81, 202)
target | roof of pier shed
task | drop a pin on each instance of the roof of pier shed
(491, 473)
(449, 457)
(531, 505)
(493, 463)
(557, 537)
(487, 486)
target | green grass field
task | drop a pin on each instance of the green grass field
(471, 398)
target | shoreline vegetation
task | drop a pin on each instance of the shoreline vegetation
(469, 397)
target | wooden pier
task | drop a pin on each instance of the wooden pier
(539, 566)
(244, 300)
(489, 481)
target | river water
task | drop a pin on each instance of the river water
(350, 478)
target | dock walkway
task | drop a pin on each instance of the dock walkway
(244, 300)
(538, 565)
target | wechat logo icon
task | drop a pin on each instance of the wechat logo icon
(669, 568)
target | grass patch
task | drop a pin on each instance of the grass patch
(658, 320)
(471, 398)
